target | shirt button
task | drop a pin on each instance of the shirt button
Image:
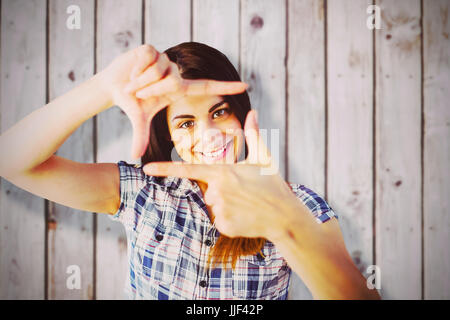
(202, 283)
(208, 243)
(159, 237)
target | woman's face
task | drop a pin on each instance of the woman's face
(205, 130)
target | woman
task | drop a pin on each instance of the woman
(220, 225)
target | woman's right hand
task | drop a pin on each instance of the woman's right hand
(143, 81)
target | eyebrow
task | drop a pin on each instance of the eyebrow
(189, 116)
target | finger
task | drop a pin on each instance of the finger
(153, 73)
(146, 55)
(257, 150)
(210, 195)
(192, 87)
(153, 105)
(213, 87)
(141, 136)
(180, 169)
(139, 123)
(171, 83)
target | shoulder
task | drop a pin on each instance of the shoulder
(130, 172)
(313, 201)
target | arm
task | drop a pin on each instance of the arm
(43, 131)
(34, 167)
(28, 147)
(35, 138)
(317, 253)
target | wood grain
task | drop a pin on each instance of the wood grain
(263, 53)
(119, 27)
(436, 95)
(216, 23)
(167, 23)
(22, 215)
(350, 129)
(398, 150)
(306, 104)
(70, 231)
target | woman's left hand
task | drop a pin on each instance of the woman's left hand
(249, 198)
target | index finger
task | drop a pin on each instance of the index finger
(213, 87)
(179, 169)
(145, 55)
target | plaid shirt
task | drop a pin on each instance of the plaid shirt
(169, 236)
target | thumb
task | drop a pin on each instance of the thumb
(139, 123)
(257, 150)
(141, 132)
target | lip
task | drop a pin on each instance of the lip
(220, 156)
(216, 148)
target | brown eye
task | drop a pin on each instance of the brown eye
(220, 112)
(183, 125)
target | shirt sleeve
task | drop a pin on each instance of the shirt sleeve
(318, 207)
(132, 181)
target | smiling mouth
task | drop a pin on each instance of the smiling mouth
(217, 154)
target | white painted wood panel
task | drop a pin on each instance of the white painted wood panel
(306, 104)
(119, 29)
(398, 149)
(436, 202)
(22, 215)
(167, 23)
(263, 53)
(216, 23)
(70, 231)
(350, 138)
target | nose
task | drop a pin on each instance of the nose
(208, 136)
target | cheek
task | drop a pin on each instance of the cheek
(182, 142)
(233, 127)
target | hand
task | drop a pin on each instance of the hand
(245, 201)
(158, 82)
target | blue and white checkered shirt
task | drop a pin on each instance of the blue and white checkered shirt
(169, 237)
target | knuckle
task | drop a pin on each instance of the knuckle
(157, 72)
(165, 58)
(149, 52)
(148, 48)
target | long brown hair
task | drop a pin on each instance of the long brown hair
(198, 61)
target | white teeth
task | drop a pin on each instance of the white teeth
(214, 154)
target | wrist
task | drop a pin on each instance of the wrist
(101, 86)
(291, 218)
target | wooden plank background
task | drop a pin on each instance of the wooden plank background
(362, 117)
